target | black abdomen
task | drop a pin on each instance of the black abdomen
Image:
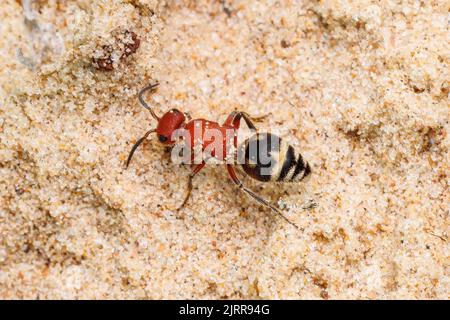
(266, 157)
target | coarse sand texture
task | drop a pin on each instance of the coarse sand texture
(360, 88)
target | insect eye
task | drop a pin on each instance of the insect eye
(162, 138)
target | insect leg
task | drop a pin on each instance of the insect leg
(196, 169)
(188, 116)
(252, 194)
(133, 149)
(234, 119)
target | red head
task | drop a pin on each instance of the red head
(167, 124)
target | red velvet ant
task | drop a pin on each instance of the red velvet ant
(286, 164)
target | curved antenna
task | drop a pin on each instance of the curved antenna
(142, 100)
(137, 144)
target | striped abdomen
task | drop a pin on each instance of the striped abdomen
(268, 158)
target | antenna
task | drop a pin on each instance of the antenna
(142, 100)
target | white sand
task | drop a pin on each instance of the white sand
(360, 87)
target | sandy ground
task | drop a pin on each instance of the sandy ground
(360, 87)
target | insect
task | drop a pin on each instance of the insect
(266, 157)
